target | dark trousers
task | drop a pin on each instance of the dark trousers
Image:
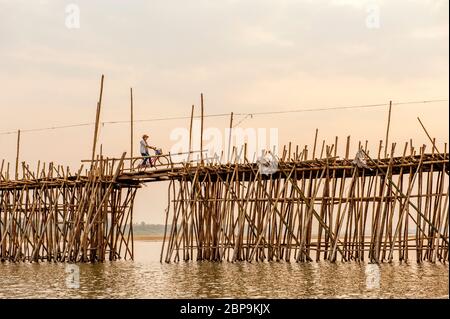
(146, 159)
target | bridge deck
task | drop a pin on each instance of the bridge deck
(356, 209)
(247, 171)
(244, 171)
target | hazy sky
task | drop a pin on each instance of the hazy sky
(245, 56)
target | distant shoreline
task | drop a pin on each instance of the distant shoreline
(161, 237)
(148, 237)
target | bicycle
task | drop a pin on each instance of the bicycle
(159, 159)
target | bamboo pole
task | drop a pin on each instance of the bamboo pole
(229, 137)
(131, 129)
(387, 130)
(17, 155)
(190, 134)
(428, 135)
(201, 130)
(97, 119)
(315, 143)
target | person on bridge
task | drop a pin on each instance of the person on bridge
(144, 150)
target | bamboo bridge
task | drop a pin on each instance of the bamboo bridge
(310, 208)
(299, 205)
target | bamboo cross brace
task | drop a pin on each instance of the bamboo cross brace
(410, 203)
(325, 226)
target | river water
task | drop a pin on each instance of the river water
(146, 277)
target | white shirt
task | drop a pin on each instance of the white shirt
(144, 147)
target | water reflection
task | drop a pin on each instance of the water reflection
(147, 278)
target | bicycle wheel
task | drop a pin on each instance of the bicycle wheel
(162, 161)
